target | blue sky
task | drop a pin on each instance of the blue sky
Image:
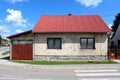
(21, 15)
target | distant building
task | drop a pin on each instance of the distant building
(5, 42)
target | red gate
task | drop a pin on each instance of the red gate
(22, 52)
(114, 54)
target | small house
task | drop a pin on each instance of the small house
(62, 37)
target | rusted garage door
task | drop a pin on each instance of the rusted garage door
(22, 52)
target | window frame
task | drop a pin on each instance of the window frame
(87, 38)
(54, 43)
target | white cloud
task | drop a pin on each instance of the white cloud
(5, 35)
(15, 1)
(19, 31)
(110, 25)
(89, 3)
(4, 29)
(15, 18)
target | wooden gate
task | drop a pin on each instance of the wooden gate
(114, 54)
(22, 52)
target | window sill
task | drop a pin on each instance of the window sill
(55, 48)
(88, 48)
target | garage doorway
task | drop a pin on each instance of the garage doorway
(22, 50)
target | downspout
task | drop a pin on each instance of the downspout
(10, 48)
(108, 46)
(100, 48)
(33, 46)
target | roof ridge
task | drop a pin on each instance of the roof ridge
(73, 15)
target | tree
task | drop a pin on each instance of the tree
(116, 23)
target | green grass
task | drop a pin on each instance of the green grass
(64, 62)
(6, 53)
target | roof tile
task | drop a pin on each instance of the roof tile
(71, 23)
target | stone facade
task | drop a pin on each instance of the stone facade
(70, 58)
(71, 49)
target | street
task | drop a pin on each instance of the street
(75, 73)
(10, 73)
(59, 72)
(2, 49)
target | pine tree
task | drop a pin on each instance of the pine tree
(116, 23)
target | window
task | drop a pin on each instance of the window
(54, 43)
(15, 42)
(87, 43)
(22, 42)
(29, 42)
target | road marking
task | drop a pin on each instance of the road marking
(98, 74)
(112, 70)
(38, 79)
(21, 79)
(13, 78)
(100, 79)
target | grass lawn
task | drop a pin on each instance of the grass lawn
(64, 62)
(6, 53)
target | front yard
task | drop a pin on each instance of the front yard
(5, 53)
(64, 62)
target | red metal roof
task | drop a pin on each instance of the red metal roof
(15, 35)
(71, 23)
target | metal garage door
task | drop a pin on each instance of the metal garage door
(22, 50)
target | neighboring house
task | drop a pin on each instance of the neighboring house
(5, 42)
(70, 37)
(114, 49)
(115, 41)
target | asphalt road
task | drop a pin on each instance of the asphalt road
(2, 49)
(18, 73)
(60, 72)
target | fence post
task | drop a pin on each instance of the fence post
(108, 53)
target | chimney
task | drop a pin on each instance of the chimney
(69, 14)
